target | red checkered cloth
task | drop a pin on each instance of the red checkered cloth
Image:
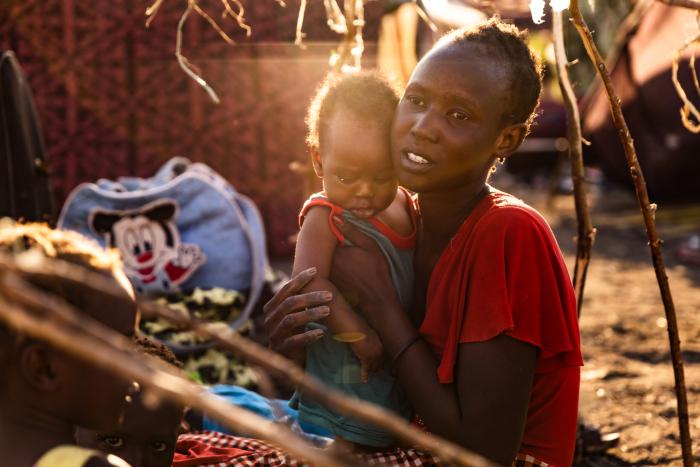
(526, 460)
(262, 454)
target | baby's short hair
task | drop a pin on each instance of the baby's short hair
(156, 349)
(506, 43)
(366, 94)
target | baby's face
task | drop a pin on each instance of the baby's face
(145, 438)
(356, 166)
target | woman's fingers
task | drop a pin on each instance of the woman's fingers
(294, 285)
(299, 341)
(294, 312)
(288, 336)
(295, 321)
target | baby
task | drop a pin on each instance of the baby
(349, 122)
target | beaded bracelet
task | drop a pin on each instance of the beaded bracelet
(403, 350)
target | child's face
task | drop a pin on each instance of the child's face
(448, 126)
(146, 438)
(355, 164)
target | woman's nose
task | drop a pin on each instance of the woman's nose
(424, 127)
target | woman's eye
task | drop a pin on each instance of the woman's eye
(459, 115)
(159, 446)
(113, 442)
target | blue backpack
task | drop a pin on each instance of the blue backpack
(185, 227)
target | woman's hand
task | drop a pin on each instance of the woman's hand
(361, 271)
(288, 312)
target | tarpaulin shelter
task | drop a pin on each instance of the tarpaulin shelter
(667, 152)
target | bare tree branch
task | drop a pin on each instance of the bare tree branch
(690, 116)
(648, 209)
(43, 316)
(586, 231)
(275, 364)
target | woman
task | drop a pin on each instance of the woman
(490, 354)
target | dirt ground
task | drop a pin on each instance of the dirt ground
(627, 381)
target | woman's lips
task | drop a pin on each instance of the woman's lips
(415, 162)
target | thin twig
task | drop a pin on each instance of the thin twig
(273, 363)
(195, 6)
(152, 11)
(424, 16)
(586, 231)
(239, 17)
(348, 56)
(335, 17)
(182, 61)
(61, 325)
(694, 72)
(299, 37)
(648, 209)
(688, 109)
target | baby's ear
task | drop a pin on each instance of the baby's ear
(510, 139)
(37, 362)
(316, 161)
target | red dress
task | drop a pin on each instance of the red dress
(503, 272)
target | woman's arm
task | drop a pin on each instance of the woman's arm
(485, 408)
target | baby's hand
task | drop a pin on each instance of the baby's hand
(370, 352)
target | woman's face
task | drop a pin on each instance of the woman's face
(447, 128)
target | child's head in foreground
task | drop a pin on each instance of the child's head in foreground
(349, 121)
(469, 102)
(48, 382)
(145, 436)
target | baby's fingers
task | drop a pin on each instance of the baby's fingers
(364, 373)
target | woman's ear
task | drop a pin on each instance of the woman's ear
(38, 366)
(316, 161)
(510, 139)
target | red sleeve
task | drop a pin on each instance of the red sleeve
(319, 199)
(516, 283)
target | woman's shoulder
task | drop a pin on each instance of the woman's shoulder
(507, 212)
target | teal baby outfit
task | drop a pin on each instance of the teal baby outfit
(334, 363)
